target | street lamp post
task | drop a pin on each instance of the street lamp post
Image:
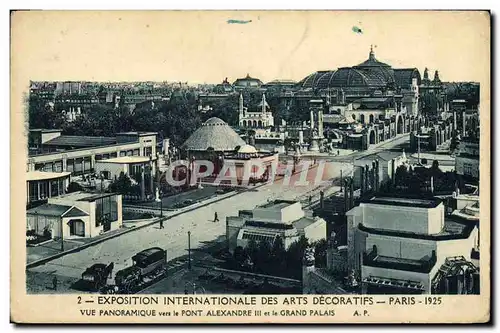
(189, 250)
(161, 205)
(62, 236)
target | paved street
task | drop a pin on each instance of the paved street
(174, 237)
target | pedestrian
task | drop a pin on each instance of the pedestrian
(338, 152)
(310, 199)
(54, 283)
(161, 224)
(216, 217)
(110, 269)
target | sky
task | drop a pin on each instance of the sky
(202, 47)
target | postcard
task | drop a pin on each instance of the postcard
(250, 167)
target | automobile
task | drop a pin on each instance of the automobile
(95, 276)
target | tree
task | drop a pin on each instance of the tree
(74, 187)
(294, 258)
(240, 255)
(401, 176)
(320, 249)
(253, 251)
(122, 185)
(42, 115)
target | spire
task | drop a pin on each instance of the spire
(436, 77)
(426, 74)
(372, 54)
(240, 106)
(264, 103)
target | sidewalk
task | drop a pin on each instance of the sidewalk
(52, 250)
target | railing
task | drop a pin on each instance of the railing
(372, 259)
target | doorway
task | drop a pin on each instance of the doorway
(76, 228)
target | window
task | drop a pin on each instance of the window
(106, 210)
(468, 169)
(33, 191)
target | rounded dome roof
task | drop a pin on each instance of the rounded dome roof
(214, 134)
(247, 149)
(370, 73)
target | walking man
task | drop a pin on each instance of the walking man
(216, 217)
(161, 224)
(110, 269)
(54, 283)
(310, 199)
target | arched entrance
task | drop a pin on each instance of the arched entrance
(353, 116)
(372, 119)
(362, 119)
(255, 123)
(260, 124)
(399, 125)
(244, 123)
(76, 227)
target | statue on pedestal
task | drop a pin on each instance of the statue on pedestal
(157, 199)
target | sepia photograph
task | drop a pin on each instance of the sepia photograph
(254, 153)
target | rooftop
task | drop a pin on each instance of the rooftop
(404, 201)
(83, 196)
(49, 210)
(42, 175)
(303, 222)
(128, 160)
(214, 134)
(80, 141)
(278, 204)
(45, 130)
(455, 227)
(137, 133)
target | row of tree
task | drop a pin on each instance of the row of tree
(274, 259)
(418, 180)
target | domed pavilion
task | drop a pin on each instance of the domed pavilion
(364, 78)
(214, 135)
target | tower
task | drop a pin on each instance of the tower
(263, 103)
(436, 78)
(240, 106)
